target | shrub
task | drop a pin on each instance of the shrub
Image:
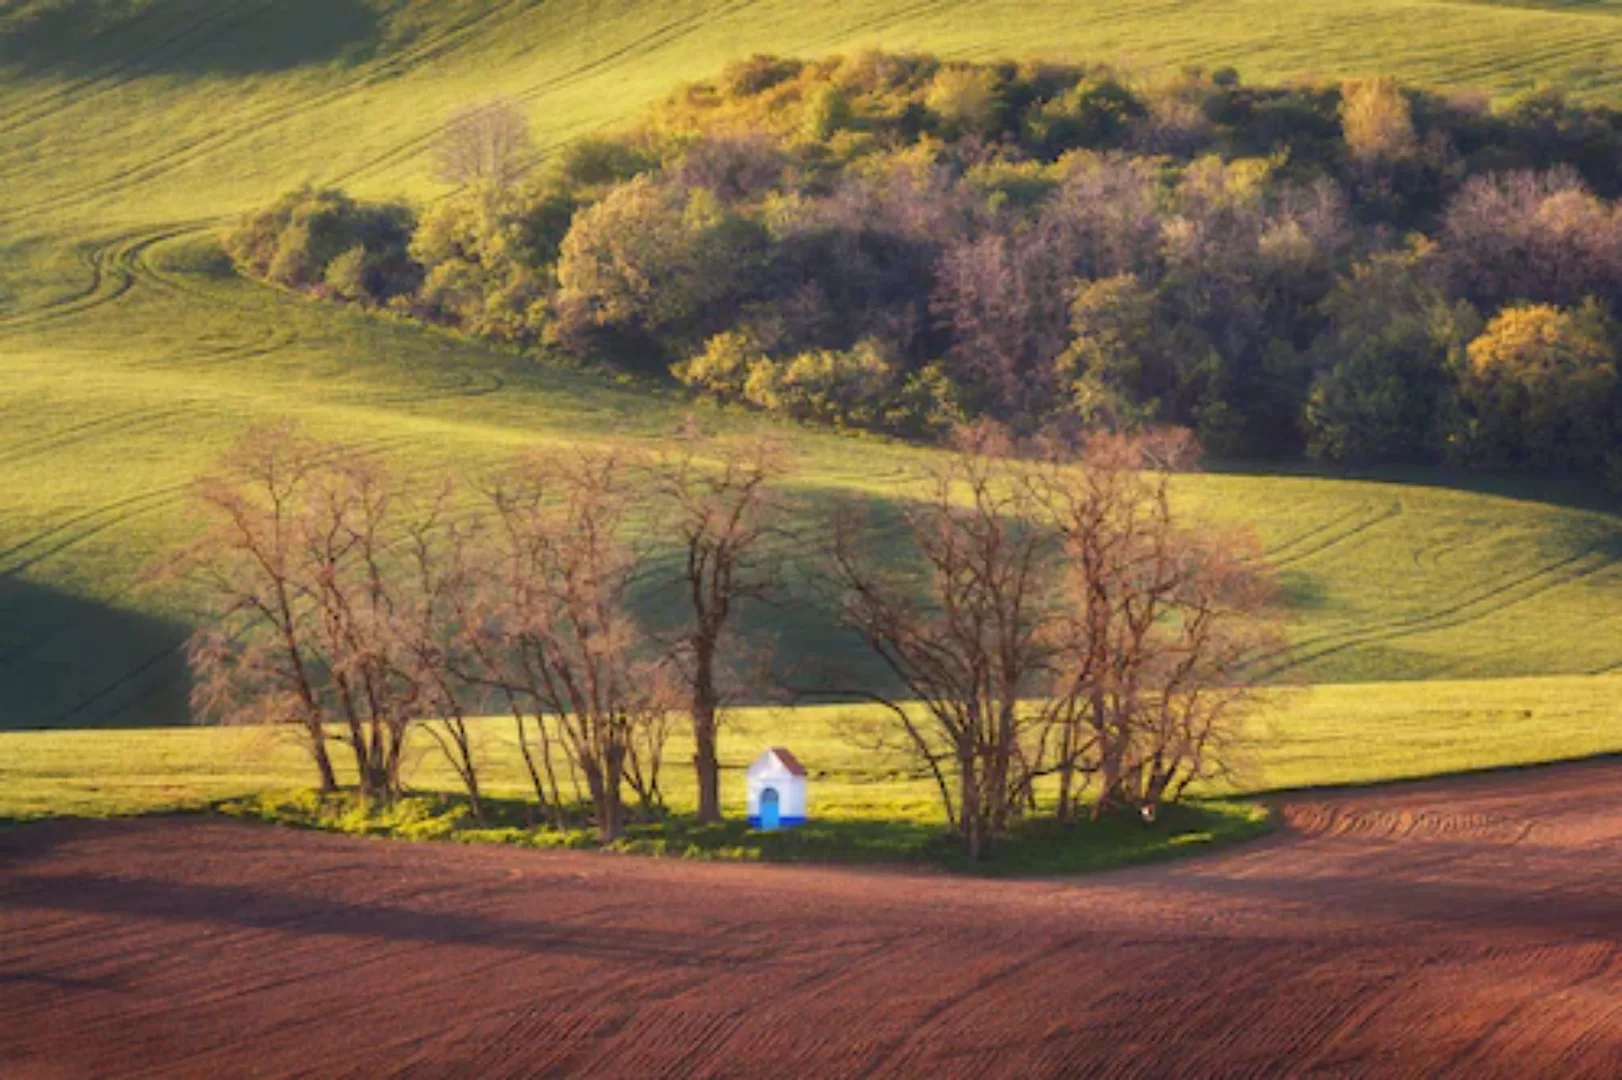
(929, 405)
(849, 388)
(597, 162)
(745, 78)
(346, 276)
(295, 240)
(827, 111)
(1094, 114)
(722, 369)
(486, 259)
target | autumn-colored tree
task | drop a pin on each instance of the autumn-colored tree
(732, 167)
(966, 99)
(1542, 384)
(483, 255)
(724, 509)
(651, 256)
(1540, 237)
(1377, 121)
(1003, 294)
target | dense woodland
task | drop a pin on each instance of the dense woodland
(1361, 272)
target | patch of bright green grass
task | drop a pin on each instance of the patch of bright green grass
(1034, 848)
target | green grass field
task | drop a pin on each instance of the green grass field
(131, 130)
(1308, 737)
(867, 805)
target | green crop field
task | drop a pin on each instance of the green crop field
(132, 130)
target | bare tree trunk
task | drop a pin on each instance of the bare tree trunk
(323, 761)
(706, 759)
(603, 782)
(1067, 772)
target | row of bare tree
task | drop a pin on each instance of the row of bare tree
(1055, 633)
(1058, 624)
(345, 600)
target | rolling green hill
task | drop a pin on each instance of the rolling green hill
(131, 130)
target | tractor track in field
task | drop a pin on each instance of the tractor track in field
(119, 423)
(65, 535)
(1468, 928)
(71, 531)
(645, 45)
(112, 76)
(237, 126)
(1338, 531)
(1486, 603)
(114, 265)
(421, 53)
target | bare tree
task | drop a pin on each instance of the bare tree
(563, 643)
(1054, 619)
(1159, 628)
(436, 638)
(253, 660)
(293, 561)
(725, 514)
(1199, 671)
(485, 145)
(344, 538)
(961, 624)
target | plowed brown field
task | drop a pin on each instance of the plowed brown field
(1471, 928)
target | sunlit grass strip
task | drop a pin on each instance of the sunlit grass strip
(1326, 735)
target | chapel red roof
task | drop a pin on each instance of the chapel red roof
(790, 762)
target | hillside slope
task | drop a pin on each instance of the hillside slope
(130, 130)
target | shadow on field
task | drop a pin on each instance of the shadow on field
(70, 662)
(1555, 488)
(199, 37)
(262, 908)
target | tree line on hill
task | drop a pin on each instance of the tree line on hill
(1361, 272)
(1058, 639)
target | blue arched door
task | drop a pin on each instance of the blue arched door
(768, 809)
